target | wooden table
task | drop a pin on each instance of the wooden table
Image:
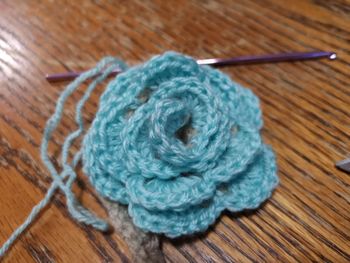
(305, 105)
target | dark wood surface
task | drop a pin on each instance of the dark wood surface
(306, 109)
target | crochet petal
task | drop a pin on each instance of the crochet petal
(111, 189)
(247, 109)
(107, 181)
(244, 106)
(246, 192)
(102, 158)
(253, 186)
(174, 224)
(164, 67)
(242, 150)
(175, 194)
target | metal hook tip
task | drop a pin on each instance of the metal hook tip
(333, 56)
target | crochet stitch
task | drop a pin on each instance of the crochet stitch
(133, 155)
(175, 141)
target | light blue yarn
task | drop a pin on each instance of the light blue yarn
(66, 177)
(133, 155)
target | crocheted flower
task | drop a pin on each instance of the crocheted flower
(178, 143)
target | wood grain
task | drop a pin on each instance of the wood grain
(306, 112)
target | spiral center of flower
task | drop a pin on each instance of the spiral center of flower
(169, 124)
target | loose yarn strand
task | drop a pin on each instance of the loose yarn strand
(77, 211)
(33, 214)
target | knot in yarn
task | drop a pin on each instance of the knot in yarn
(178, 143)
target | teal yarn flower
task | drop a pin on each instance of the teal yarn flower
(178, 143)
(175, 141)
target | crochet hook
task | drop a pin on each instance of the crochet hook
(268, 58)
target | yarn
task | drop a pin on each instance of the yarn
(175, 141)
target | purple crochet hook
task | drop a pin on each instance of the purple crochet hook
(269, 58)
